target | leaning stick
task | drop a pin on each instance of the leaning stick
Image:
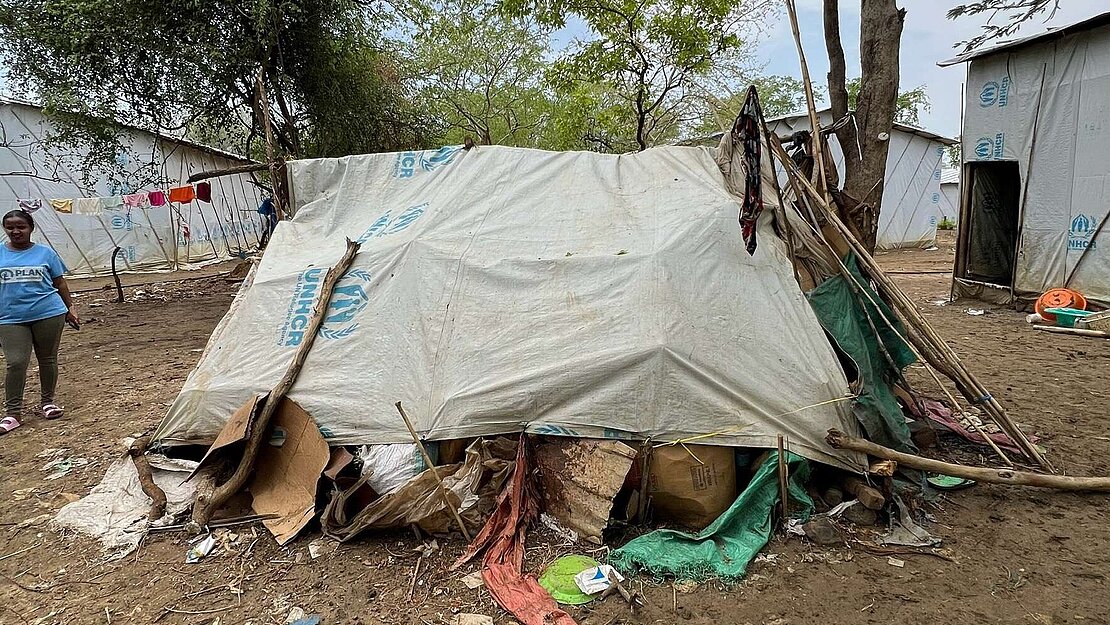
(1010, 477)
(811, 104)
(137, 451)
(260, 428)
(1075, 331)
(431, 465)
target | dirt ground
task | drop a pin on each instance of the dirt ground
(1018, 555)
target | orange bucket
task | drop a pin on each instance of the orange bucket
(1058, 298)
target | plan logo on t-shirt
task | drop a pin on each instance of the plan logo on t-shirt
(11, 275)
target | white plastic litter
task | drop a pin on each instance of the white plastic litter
(1034, 318)
(391, 466)
(596, 579)
(116, 509)
(198, 551)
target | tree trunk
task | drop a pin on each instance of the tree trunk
(866, 144)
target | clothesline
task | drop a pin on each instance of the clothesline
(201, 191)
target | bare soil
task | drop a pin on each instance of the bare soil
(1020, 555)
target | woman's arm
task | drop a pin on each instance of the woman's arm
(63, 290)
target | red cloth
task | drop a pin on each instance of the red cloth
(204, 192)
(182, 195)
(942, 414)
(157, 198)
(503, 538)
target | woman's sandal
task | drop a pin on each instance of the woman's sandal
(52, 411)
(7, 424)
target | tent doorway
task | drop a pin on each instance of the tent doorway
(989, 234)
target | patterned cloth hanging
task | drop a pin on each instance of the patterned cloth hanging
(746, 132)
(30, 205)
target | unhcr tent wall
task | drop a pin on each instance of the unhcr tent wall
(1036, 148)
(501, 289)
(911, 196)
(157, 238)
(950, 194)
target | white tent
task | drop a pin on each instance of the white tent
(911, 204)
(501, 290)
(950, 194)
(159, 238)
(1036, 171)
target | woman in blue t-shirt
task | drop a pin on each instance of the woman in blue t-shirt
(34, 306)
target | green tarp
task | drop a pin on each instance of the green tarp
(844, 317)
(725, 548)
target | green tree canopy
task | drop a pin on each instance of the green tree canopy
(909, 107)
(641, 76)
(332, 85)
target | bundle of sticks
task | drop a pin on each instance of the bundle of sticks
(815, 201)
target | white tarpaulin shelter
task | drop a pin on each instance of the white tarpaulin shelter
(911, 205)
(950, 194)
(1036, 172)
(155, 238)
(503, 289)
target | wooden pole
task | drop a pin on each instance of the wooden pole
(431, 465)
(274, 166)
(784, 482)
(229, 171)
(260, 429)
(811, 101)
(1075, 331)
(840, 440)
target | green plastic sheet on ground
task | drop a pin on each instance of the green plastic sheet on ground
(725, 548)
(845, 318)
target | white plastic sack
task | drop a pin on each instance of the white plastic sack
(391, 466)
(596, 579)
(116, 509)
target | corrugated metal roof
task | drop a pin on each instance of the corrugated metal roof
(1058, 31)
(950, 176)
(179, 140)
(897, 125)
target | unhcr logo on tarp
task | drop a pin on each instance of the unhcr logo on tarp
(409, 163)
(1081, 233)
(387, 224)
(994, 93)
(990, 148)
(349, 298)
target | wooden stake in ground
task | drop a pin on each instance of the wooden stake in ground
(137, 451)
(784, 483)
(431, 465)
(840, 440)
(260, 428)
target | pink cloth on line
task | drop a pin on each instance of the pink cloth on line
(157, 198)
(137, 200)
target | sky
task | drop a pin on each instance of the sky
(927, 38)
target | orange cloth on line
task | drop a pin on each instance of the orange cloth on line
(182, 195)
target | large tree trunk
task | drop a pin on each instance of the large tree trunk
(865, 144)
